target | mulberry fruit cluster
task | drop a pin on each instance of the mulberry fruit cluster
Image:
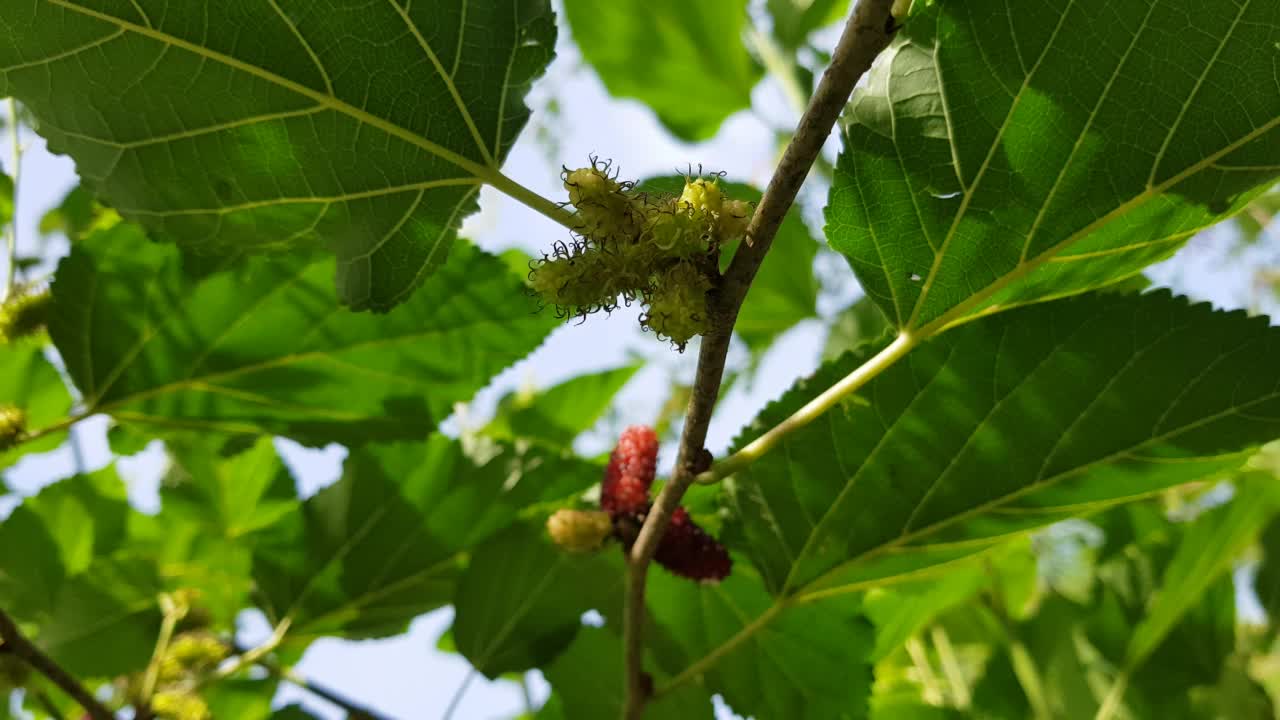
(13, 425)
(685, 549)
(629, 246)
(24, 314)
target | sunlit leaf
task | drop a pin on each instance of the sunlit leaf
(1002, 426)
(1006, 154)
(366, 128)
(260, 346)
(664, 52)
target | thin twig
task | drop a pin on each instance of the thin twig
(458, 695)
(12, 271)
(18, 644)
(354, 710)
(865, 34)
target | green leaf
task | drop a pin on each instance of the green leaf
(587, 678)
(809, 662)
(901, 612)
(105, 620)
(665, 52)
(785, 291)
(520, 601)
(1267, 582)
(1002, 426)
(28, 381)
(860, 322)
(85, 515)
(560, 413)
(356, 562)
(1006, 155)
(56, 534)
(31, 566)
(381, 546)
(793, 20)
(286, 124)
(260, 347)
(241, 699)
(1205, 552)
(235, 496)
(215, 512)
(74, 215)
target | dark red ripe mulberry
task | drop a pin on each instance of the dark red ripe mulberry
(630, 472)
(688, 551)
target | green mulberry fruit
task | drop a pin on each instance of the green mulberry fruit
(13, 425)
(24, 314)
(678, 305)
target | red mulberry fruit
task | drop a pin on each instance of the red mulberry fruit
(688, 551)
(630, 472)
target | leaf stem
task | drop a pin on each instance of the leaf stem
(11, 273)
(866, 33)
(18, 644)
(1114, 697)
(951, 669)
(529, 198)
(709, 660)
(254, 656)
(920, 659)
(850, 383)
(172, 613)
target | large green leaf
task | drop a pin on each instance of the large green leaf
(1009, 153)
(28, 381)
(381, 546)
(259, 346)
(105, 620)
(57, 534)
(808, 662)
(521, 600)
(667, 52)
(1010, 423)
(364, 127)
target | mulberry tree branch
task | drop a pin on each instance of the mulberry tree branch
(13, 641)
(865, 35)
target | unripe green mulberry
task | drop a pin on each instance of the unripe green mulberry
(605, 209)
(678, 304)
(735, 216)
(579, 530)
(179, 705)
(197, 651)
(24, 314)
(13, 424)
(702, 196)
